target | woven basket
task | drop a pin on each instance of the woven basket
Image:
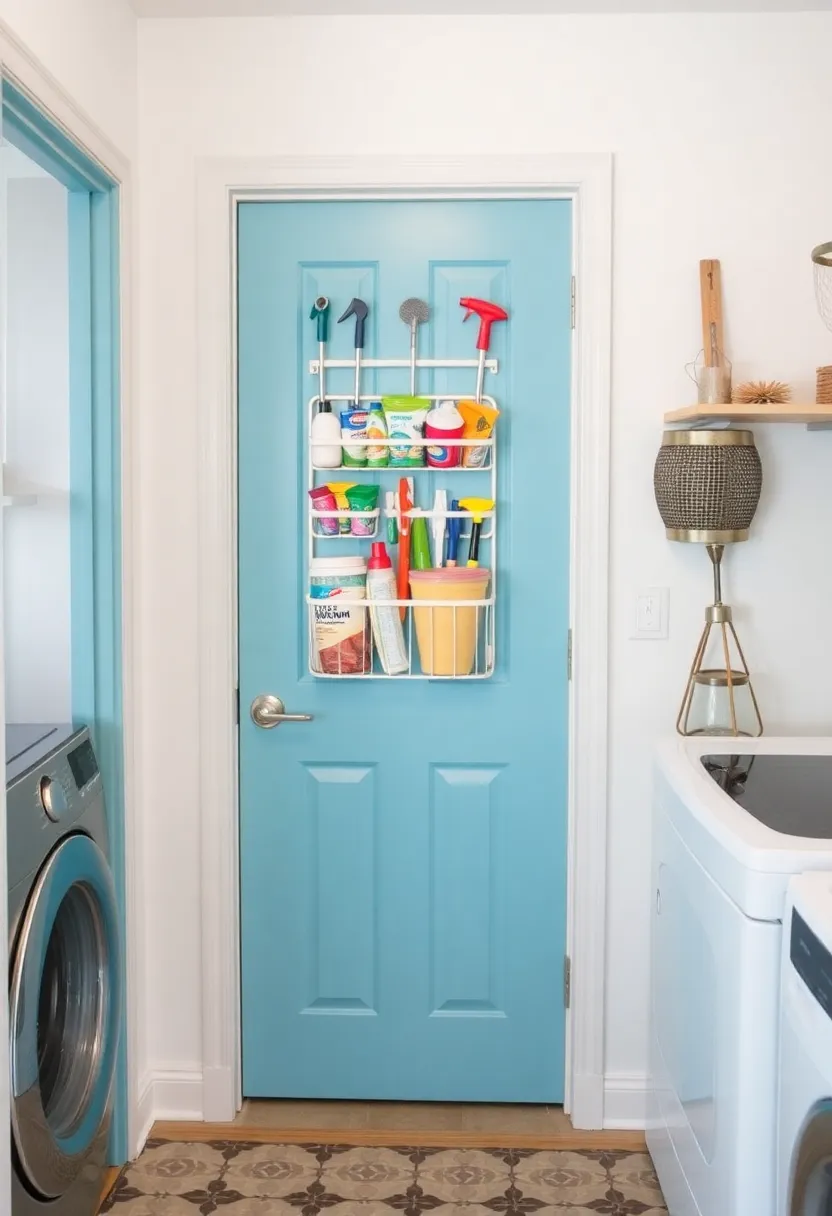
(707, 485)
(824, 393)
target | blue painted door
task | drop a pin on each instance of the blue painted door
(403, 855)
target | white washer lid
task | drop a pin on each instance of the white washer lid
(751, 862)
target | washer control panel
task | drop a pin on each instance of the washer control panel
(83, 764)
(69, 779)
(55, 785)
(812, 962)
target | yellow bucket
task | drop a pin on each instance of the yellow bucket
(447, 637)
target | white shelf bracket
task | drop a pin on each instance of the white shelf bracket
(491, 365)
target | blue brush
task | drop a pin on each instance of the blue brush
(454, 531)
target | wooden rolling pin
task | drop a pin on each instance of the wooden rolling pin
(710, 290)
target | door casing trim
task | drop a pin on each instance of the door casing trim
(586, 180)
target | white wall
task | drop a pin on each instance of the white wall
(718, 125)
(36, 556)
(89, 46)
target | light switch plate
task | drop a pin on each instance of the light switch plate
(652, 612)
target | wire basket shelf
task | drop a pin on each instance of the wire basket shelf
(443, 639)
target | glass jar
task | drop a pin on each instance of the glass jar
(711, 704)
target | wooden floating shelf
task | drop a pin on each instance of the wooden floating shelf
(701, 414)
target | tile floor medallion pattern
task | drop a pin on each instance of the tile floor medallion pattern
(246, 1179)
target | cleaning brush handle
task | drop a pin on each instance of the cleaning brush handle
(414, 325)
(320, 314)
(454, 530)
(356, 308)
(474, 549)
(403, 572)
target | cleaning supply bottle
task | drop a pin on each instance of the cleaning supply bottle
(388, 634)
(419, 545)
(377, 457)
(444, 422)
(326, 438)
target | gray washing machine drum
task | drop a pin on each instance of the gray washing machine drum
(811, 1176)
(64, 1006)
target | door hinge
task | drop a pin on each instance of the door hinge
(567, 981)
(237, 705)
(574, 304)
(569, 656)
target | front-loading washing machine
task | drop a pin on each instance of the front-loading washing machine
(64, 971)
(804, 1115)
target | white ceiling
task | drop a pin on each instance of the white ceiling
(285, 8)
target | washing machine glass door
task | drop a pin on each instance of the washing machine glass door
(811, 1168)
(64, 1011)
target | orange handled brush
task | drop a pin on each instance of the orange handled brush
(403, 579)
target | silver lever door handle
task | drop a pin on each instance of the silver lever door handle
(268, 711)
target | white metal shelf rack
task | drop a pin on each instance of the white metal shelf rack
(485, 631)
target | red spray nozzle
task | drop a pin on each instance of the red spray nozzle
(488, 313)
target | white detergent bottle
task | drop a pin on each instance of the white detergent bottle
(326, 438)
(388, 634)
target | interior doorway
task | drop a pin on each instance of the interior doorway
(221, 184)
(75, 494)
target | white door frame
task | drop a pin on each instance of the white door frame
(221, 184)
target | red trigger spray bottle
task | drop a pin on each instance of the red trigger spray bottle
(488, 313)
(478, 418)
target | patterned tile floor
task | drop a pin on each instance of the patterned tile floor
(245, 1179)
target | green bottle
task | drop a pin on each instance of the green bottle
(419, 545)
(377, 457)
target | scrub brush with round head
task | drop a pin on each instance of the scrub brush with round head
(413, 312)
(761, 392)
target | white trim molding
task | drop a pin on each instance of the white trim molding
(29, 75)
(625, 1101)
(169, 1093)
(587, 181)
(145, 1111)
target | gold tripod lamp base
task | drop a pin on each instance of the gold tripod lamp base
(719, 698)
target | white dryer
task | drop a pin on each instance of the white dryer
(729, 832)
(804, 1152)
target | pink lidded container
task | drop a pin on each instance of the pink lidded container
(444, 422)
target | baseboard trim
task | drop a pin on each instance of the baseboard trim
(168, 1093)
(586, 1108)
(219, 1100)
(625, 1101)
(144, 1114)
(177, 1094)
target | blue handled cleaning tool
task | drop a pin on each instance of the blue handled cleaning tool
(320, 314)
(437, 526)
(358, 309)
(454, 531)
